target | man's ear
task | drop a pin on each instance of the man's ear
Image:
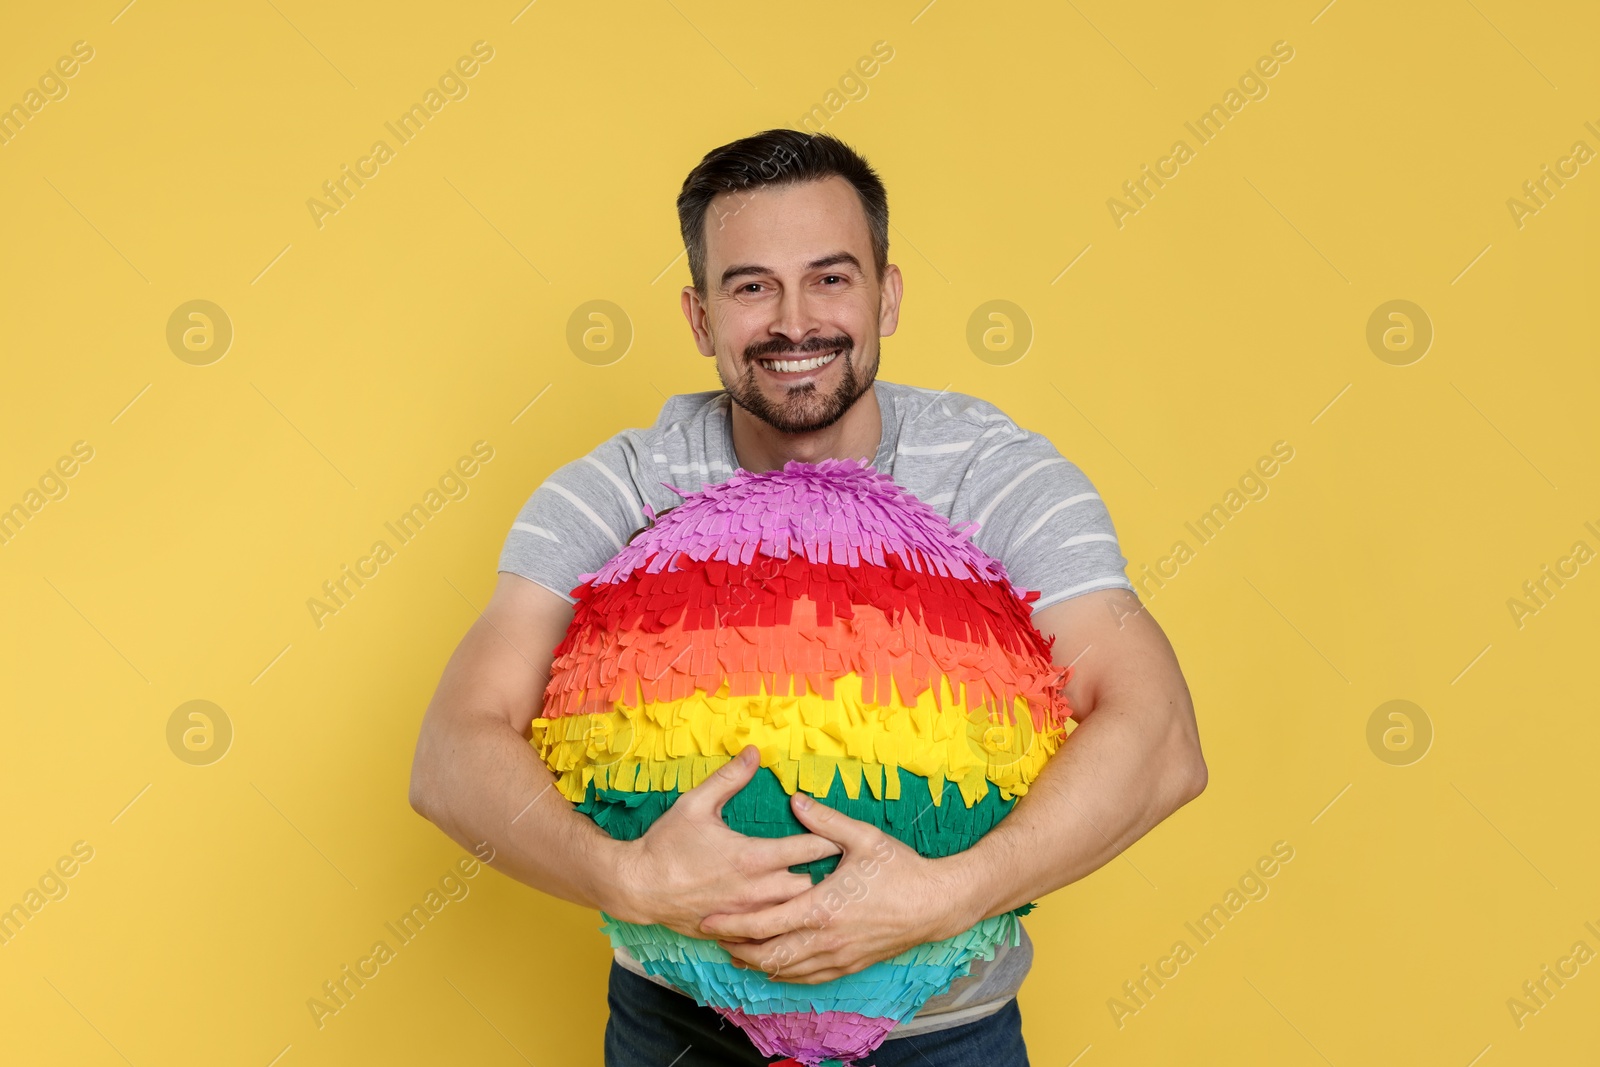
(889, 301)
(699, 322)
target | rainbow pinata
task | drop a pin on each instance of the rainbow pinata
(877, 658)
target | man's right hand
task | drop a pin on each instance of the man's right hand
(689, 864)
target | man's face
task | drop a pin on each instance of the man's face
(793, 310)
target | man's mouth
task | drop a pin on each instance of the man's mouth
(796, 366)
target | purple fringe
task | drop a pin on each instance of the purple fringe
(839, 511)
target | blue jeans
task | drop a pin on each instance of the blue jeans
(655, 1027)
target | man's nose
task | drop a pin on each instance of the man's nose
(796, 317)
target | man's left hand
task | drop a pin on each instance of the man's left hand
(882, 899)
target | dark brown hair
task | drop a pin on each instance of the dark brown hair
(778, 157)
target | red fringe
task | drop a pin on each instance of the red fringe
(662, 636)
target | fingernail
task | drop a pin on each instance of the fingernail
(802, 801)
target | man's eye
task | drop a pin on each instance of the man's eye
(747, 286)
(837, 277)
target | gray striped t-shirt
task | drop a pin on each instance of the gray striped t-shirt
(1035, 511)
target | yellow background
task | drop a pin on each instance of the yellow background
(370, 353)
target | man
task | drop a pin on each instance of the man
(787, 241)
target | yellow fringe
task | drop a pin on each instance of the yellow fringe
(665, 745)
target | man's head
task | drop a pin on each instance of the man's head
(787, 236)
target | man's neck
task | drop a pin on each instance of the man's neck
(759, 447)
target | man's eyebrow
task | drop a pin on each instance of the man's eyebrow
(831, 260)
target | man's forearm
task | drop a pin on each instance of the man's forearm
(480, 782)
(1119, 773)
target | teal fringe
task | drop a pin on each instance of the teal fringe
(894, 988)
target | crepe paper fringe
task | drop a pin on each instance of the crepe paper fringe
(816, 1037)
(713, 592)
(761, 809)
(894, 988)
(835, 510)
(662, 637)
(806, 740)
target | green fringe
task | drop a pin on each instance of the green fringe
(761, 809)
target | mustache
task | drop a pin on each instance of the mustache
(781, 347)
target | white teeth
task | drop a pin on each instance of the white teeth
(799, 364)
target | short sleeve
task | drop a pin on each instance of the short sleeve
(577, 519)
(1040, 515)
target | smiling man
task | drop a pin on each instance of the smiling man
(787, 241)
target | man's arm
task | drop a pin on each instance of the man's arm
(476, 776)
(1133, 759)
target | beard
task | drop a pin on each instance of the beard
(803, 408)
